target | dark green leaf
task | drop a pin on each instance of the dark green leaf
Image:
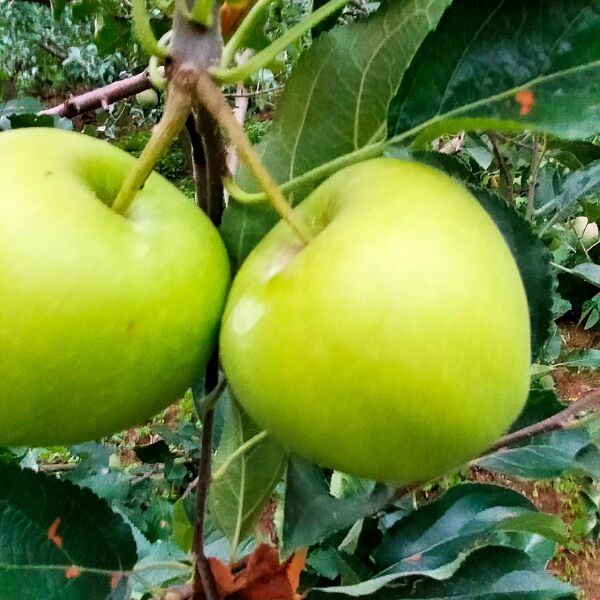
(540, 549)
(113, 35)
(57, 7)
(487, 574)
(183, 530)
(548, 456)
(589, 272)
(508, 65)
(582, 359)
(573, 155)
(577, 184)
(311, 513)
(21, 106)
(162, 565)
(432, 538)
(56, 537)
(548, 526)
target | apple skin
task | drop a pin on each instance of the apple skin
(396, 345)
(104, 319)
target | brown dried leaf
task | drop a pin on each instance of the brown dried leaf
(263, 577)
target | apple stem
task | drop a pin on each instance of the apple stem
(177, 109)
(214, 101)
(239, 451)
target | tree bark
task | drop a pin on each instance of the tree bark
(100, 98)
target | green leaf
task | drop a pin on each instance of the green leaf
(573, 155)
(255, 37)
(334, 103)
(183, 530)
(21, 106)
(540, 549)
(577, 184)
(113, 35)
(581, 359)
(548, 456)
(58, 6)
(311, 513)
(548, 526)
(589, 272)
(429, 540)
(487, 574)
(57, 537)
(163, 564)
(507, 65)
(237, 498)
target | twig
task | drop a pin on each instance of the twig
(536, 158)
(52, 50)
(204, 585)
(209, 400)
(101, 97)
(560, 420)
(57, 468)
(240, 94)
(212, 202)
(505, 174)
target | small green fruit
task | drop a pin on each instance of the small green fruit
(395, 345)
(104, 319)
(147, 98)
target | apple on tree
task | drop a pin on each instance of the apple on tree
(147, 99)
(396, 344)
(104, 319)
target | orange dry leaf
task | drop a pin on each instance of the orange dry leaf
(526, 100)
(114, 580)
(231, 15)
(72, 572)
(52, 532)
(263, 578)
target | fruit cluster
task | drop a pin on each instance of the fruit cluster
(393, 346)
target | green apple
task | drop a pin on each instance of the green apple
(587, 232)
(396, 344)
(147, 98)
(104, 319)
